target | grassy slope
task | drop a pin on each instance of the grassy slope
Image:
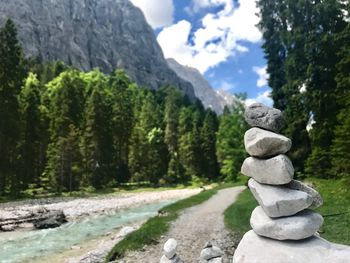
(336, 195)
(158, 225)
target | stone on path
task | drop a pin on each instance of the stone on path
(279, 201)
(170, 248)
(210, 252)
(256, 249)
(317, 200)
(262, 143)
(299, 226)
(276, 170)
(259, 115)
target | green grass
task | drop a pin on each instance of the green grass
(238, 214)
(336, 210)
(156, 226)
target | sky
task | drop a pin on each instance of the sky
(217, 37)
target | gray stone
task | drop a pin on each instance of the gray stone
(211, 252)
(51, 219)
(259, 115)
(104, 34)
(279, 201)
(216, 100)
(262, 143)
(170, 248)
(317, 200)
(300, 226)
(215, 260)
(257, 249)
(276, 170)
(175, 259)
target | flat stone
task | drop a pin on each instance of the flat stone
(170, 248)
(259, 115)
(300, 226)
(257, 249)
(317, 200)
(211, 252)
(276, 170)
(279, 201)
(262, 143)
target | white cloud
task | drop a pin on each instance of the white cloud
(158, 13)
(262, 97)
(226, 86)
(263, 76)
(217, 39)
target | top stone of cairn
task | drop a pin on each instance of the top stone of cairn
(259, 115)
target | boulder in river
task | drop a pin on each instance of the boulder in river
(51, 219)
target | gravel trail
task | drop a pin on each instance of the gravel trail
(194, 227)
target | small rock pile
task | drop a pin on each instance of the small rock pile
(170, 249)
(210, 253)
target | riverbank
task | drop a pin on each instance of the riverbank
(82, 207)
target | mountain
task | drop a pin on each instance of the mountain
(107, 34)
(210, 98)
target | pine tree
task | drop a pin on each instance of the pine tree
(34, 136)
(146, 156)
(66, 108)
(341, 142)
(96, 141)
(208, 146)
(12, 73)
(122, 121)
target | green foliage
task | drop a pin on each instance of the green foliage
(237, 215)
(64, 130)
(302, 46)
(230, 149)
(12, 73)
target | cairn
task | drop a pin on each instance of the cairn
(284, 226)
(170, 249)
(211, 253)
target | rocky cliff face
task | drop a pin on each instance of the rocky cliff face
(210, 98)
(107, 34)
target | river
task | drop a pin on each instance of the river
(27, 246)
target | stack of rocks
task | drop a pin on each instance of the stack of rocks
(284, 222)
(210, 253)
(170, 249)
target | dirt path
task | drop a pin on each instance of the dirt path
(193, 229)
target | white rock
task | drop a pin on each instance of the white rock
(279, 201)
(211, 252)
(170, 248)
(276, 170)
(125, 231)
(317, 200)
(256, 249)
(262, 143)
(300, 226)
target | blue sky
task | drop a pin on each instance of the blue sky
(218, 37)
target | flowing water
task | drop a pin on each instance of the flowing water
(27, 245)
